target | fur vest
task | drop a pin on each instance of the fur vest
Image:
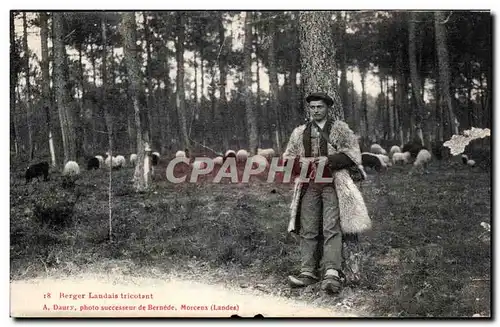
(354, 218)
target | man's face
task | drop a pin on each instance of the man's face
(318, 110)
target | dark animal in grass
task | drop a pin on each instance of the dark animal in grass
(37, 170)
(414, 148)
(373, 161)
(155, 158)
(93, 163)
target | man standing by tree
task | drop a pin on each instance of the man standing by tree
(325, 212)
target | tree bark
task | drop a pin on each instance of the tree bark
(293, 88)
(247, 78)
(105, 89)
(273, 83)
(13, 83)
(401, 96)
(354, 109)
(165, 111)
(470, 102)
(258, 106)
(415, 77)
(318, 67)
(223, 109)
(149, 96)
(141, 174)
(85, 110)
(444, 70)
(180, 94)
(343, 88)
(132, 133)
(364, 106)
(29, 113)
(44, 65)
(63, 105)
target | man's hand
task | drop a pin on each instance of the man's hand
(306, 160)
(321, 161)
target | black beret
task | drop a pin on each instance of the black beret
(320, 96)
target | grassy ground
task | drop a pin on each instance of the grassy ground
(424, 256)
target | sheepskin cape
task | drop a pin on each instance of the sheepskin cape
(354, 218)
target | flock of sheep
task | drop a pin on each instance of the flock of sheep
(377, 159)
(71, 168)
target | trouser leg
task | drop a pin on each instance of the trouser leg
(332, 246)
(311, 210)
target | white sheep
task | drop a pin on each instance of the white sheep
(377, 149)
(259, 160)
(266, 153)
(230, 153)
(114, 162)
(180, 154)
(218, 161)
(394, 149)
(423, 158)
(242, 155)
(471, 163)
(101, 160)
(400, 157)
(199, 165)
(120, 160)
(71, 169)
(108, 160)
(385, 159)
(133, 159)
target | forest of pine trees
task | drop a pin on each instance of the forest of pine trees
(109, 79)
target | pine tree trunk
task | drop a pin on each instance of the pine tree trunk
(223, 109)
(482, 99)
(141, 175)
(318, 65)
(250, 113)
(13, 83)
(343, 87)
(149, 97)
(293, 90)
(444, 70)
(165, 111)
(108, 116)
(195, 66)
(489, 99)
(399, 98)
(258, 106)
(167, 136)
(63, 105)
(180, 94)
(213, 107)
(364, 106)
(105, 89)
(415, 77)
(83, 109)
(44, 64)
(470, 103)
(356, 117)
(392, 109)
(273, 82)
(29, 113)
